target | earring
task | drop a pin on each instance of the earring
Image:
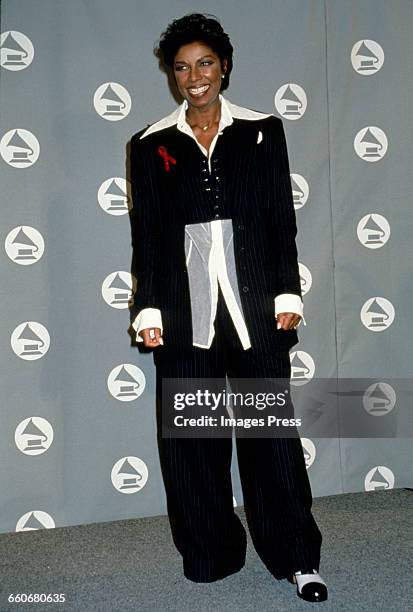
(222, 76)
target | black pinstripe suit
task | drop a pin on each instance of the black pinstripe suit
(256, 195)
(255, 192)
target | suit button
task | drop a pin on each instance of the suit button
(242, 249)
(216, 207)
(245, 289)
(240, 227)
(216, 216)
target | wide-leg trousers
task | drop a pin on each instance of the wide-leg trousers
(197, 474)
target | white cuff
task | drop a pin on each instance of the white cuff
(148, 317)
(289, 302)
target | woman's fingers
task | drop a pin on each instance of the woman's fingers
(151, 337)
(288, 320)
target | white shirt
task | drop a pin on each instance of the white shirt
(218, 270)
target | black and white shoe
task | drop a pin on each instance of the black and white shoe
(310, 586)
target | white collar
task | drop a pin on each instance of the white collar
(229, 112)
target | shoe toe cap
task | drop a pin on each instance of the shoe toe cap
(314, 591)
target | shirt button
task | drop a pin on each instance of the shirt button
(216, 207)
(245, 289)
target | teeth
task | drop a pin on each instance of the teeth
(196, 90)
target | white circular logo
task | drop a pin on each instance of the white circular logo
(373, 231)
(126, 382)
(302, 368)
(290, 101)
(370, 143)
(379, 399)
(300, 190)
(19, 148)
(30, 340)
(16, 50)
(118, 289)
(309, 451)
(377, 314)
(24, 245)
(114, 196)
(129, 475)
(33, 520)
(112, 101)
(367, 57)
(306, 278)
(379, 477)
(33, 436)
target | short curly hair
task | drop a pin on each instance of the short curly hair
(196, 27)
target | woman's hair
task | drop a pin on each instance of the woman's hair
(193, 28)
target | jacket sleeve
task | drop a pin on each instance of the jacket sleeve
(283, 221)
(146, 226)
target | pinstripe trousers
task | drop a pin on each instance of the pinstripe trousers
(197, 474)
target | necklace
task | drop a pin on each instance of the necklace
(204, 128)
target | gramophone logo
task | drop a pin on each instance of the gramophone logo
(129, 475)
(30, 340)
(367, 57)
(16, 51)
(118, 289)
(24, 245)
(300, 190)
(309, 451)
(19, 148)
(290, 101)
(306, 278)
(114, 196)
(379, 399)
(371, 143)
(33, 436)
(380, 477)
(373, 231)
(302, 368)
(112, 101)
(126, 382)
(34, 520)
(377, 314)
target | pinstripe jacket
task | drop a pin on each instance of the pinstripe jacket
(169, 194)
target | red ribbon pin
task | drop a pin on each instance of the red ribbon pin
(166, 157)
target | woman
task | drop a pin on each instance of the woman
(219, 295)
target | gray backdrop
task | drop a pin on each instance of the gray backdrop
(77, 80)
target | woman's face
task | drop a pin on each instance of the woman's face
(198, 74)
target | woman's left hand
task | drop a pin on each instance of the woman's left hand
(288, 320)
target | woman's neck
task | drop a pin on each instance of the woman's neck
(204, 117)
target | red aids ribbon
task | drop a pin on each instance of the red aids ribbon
(166, 157)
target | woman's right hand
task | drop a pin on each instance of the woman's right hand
(152, 337)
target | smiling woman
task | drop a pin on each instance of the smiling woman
(219, 295)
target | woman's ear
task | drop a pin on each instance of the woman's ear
(224, 66)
